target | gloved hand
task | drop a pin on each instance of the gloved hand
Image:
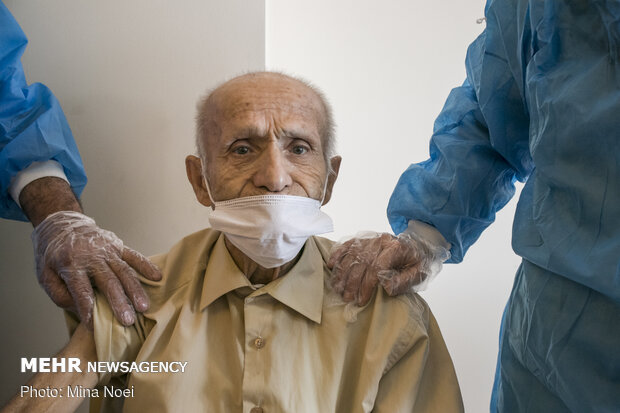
(71, 250)
(399, 263)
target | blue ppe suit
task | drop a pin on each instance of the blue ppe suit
(33, 127)
(541, 104)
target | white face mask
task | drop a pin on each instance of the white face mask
(270, 229)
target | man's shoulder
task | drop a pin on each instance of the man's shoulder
(411, 304)
(182, 263)
(324, 245)
(408, 311)
(407, 320)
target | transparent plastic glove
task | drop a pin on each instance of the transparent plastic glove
(71, 251)
(399, 263)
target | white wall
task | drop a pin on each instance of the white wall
(387, 68)
(128, 74)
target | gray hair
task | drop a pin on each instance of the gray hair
(327, 129)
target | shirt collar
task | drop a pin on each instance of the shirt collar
(221, 275)
(301, 288)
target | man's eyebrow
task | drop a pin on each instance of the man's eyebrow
(298, 134)
(248, 132)
(254, 132)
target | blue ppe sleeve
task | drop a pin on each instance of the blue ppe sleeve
(33, 127)
(478, 149)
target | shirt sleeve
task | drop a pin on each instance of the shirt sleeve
(113, 341)
(423, 380)
(33, 127)
(478, 150)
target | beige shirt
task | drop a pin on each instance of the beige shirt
(289, 346)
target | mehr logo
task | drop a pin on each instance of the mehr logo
(51, 365)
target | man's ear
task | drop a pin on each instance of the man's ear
(193, 167)
(331, 178)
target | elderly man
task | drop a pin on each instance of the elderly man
(246, 303)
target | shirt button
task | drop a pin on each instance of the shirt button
(256, 409)
(259, 343)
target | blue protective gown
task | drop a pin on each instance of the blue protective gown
(541, 104)
(33, 127)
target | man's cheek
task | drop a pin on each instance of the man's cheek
(310, 180)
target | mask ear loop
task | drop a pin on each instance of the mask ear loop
(324, 189)
(204, 177)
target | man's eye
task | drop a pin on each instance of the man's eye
(299, 150)
(241, 150)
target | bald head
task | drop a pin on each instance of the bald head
(261, 91)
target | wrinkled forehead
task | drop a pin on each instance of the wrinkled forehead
(269, 95)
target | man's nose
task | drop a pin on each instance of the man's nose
(273, 172)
